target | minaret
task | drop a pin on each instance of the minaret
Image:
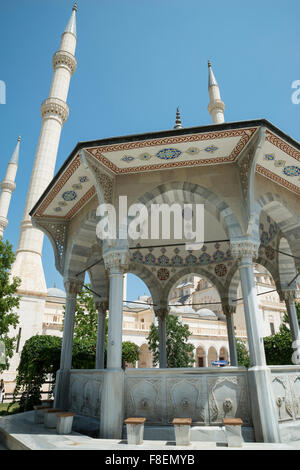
(178, 124)
(8, 186)
(54, 111)
(216, 106)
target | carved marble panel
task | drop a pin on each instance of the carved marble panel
(85, 394)
(186, 398)
(228, 398)
(295, 393)
(144, 398)
(283, 399)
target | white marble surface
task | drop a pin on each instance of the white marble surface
(20, 432)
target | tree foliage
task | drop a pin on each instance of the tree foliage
(242, 353)
(9, 301)
(86, 317)
(179, 351)
(40, 357)
(40, 360)
(278, 348)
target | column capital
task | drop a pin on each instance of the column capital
(101, 306)
(244, 248)
(161, 312)
(228, 309)
(288, 295)
(117, 261)
(73, 287)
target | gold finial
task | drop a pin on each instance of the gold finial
(19, 138)
(209, 64)
(74, 7)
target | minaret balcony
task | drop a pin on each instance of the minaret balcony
(55, 107)
(64, 59)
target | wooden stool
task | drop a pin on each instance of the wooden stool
(135, 430)
(182, 427)
(64, 422)
(233, 428)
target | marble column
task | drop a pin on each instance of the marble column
(264, 413)
(73, 287)
(161, 314)
(229, 311)
(289, 297)
(112, 398)
(101, 307)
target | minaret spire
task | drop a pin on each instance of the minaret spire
(8, 186)
(71, 26)
(216, 106)
(178, 124)
(28, 264)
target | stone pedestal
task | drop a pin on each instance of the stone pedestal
(135, 430)
(50, 418)
(234, 436)
(112, 405)
(64, 423)
(233, 428)
(39, 413)
(182, 428)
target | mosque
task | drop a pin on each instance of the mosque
(239, 284)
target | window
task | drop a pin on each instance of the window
(272, 329)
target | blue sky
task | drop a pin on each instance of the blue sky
(137, 61)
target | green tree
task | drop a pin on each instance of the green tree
(86, 317)
(40, 359)
(242, 353)
(179, 351)
(9, 301)
(130, 352)
(278, 348)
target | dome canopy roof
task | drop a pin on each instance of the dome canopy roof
(205, 312)
(55, 292)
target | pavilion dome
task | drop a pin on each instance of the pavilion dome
(205, 312)
(182, 309)
(55, 292)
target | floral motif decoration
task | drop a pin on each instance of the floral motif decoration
(69, 195)
(83, 179)
(270, 252)
(221, 270)
(145, 156)
(168, 154)
(291, 170)
(193, 151)
(127, 158)
(211, 149)
(180, 260)
(280, 163)
(269, 156)
(268, 231)
(163, 274)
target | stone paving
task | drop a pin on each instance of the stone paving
(20, 433)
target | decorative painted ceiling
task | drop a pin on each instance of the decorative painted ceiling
(73, 187)
(280, 162)
(178, 151)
